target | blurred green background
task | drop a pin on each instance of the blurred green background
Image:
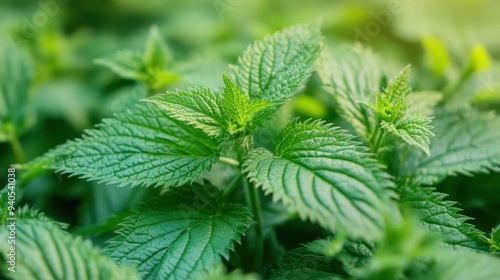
(452, 45)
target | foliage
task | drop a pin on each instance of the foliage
(360, 195)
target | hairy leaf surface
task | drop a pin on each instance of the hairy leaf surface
(399, 88)
(324, 176)
(414, 130)
(274, 68)
(242, 114)
(142, 146)
(465, 143)
(199, 107)
(179, 235)
(45, 251)
(442, 216)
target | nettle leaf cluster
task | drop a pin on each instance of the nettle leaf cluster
(369, 185)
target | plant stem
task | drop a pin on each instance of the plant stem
(378, 142)
(374, 135)
(17, 148)
(234, 184)
(254, 204)
(449, 90)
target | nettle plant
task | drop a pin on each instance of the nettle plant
(370, 192)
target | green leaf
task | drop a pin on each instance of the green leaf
(148, 68)
(142, 146)
(126, 64)
(415, 131)
(479, 59)
(201, 70)
(301, 263)
(423, 102)
(181, 234)
(465, 143)
(464, 265)
(315, 260)
(324, 176)
(20, 213)
(241, 113)
(351, 253)
(218, 116)
(441, 216)
(16, 75)
(391, 104)
(159, 79)
(399, 88)
(45, 251)
(494, 240)
(198, 107)
(156, 55)
(354, 77)
(437, 55)
(404, 249)
(274, 68)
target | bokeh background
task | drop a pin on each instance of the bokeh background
(69, 92)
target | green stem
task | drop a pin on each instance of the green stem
(17, 148)
(234, 184)
(254, 204)
(452, 88)
(374, 135)
(378, 142)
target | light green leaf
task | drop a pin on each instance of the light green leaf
(16, 74)
(199, 107)
(159, 79)
(479, 59)
(324, 176)
(274, 68)
(126, 64)
(354, 77)
(441, 216)
(156, 55)
(180, 235)
(142, 146)
(465, 143)
(391, 104)
(242, 113)
(399, 88)
(156, 58)
(437, 55)
(415, 131)
(45, 251)
(494, 240)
